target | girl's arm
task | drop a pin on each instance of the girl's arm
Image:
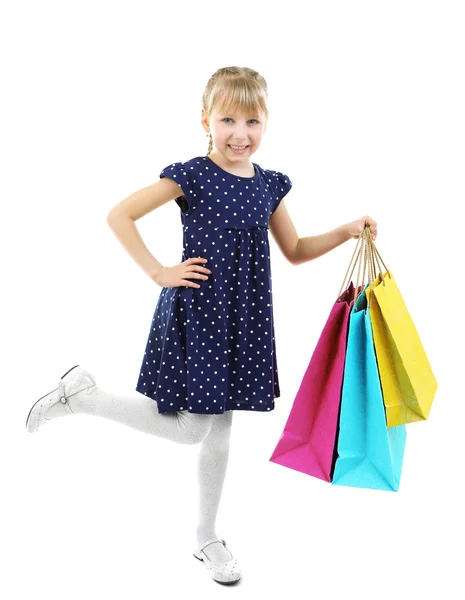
(315, 246)
(121, 220)
(299, 250)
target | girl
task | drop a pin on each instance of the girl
(211, 346)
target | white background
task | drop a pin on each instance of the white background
(367, 117)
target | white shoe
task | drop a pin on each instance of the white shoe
(55, 404)
(226, 572)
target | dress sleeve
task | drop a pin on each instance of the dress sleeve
(179, 173)
(281, 184)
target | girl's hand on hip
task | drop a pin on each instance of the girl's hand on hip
(179, 275)
(355, 228)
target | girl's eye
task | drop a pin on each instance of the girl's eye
(229, 118)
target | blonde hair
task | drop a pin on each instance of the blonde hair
(234, 90)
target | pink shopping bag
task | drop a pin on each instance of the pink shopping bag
(308, 442)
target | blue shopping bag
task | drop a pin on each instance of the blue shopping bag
(369, 454)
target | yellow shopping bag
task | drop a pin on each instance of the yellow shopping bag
(407, 380)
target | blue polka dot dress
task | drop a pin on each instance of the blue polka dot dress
(212, 348)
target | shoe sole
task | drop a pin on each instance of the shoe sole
(35, 403)
(217, 581)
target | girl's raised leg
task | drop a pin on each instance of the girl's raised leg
(78, 392)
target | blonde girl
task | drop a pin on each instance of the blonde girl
(211, 346)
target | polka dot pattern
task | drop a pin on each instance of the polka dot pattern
(212, 348)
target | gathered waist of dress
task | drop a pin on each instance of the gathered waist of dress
(245, 227)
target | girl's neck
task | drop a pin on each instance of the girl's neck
(245, 169)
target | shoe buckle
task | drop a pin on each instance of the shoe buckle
(62, 392)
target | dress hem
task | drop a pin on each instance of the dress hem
(244, 406)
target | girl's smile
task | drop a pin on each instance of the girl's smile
(238, 149)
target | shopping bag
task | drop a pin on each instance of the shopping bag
(407, 380)
(308, 440)
(369, 454)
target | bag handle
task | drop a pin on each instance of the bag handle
(353, 267)
(374, 258)
(367, 264)
(365, 252)
(361, 257)
(371, 257)
(377, 258)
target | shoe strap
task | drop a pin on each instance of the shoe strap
(210, 542)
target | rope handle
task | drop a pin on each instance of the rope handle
(366, 265)
(359, 239)
(365, 253)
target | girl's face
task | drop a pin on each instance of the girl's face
(237, 130)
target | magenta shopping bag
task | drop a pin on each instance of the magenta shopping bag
(307, 443)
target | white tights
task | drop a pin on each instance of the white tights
(212, 432)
